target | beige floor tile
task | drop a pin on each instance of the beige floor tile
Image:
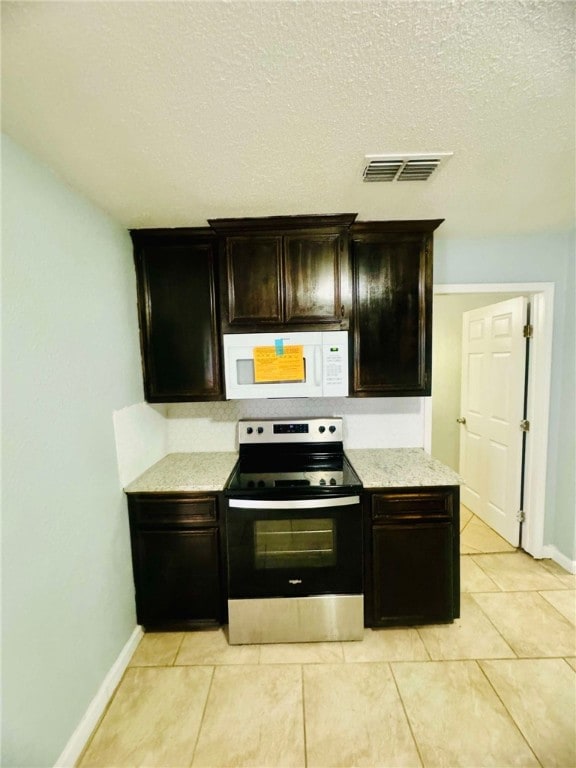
(564, 601)
(386, 645)
(567, 579)
(528, 623)
(301, 653)
(253, 717)
(517, 571)
(456, 717)
(153, 719)
(354, 717)
(540, 694)
(479, 537)
(211, 647)
(157, 649)
(472, 636)
(465, 516)
(473, 578)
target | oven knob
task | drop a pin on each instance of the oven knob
(322, 481)
(250, 483)
(332, 481)
(260, 430)
(261, 484)
(249, 430)
(321, 430)
(332, 428)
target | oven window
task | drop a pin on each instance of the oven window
(294, 543)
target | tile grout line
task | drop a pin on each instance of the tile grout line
(510, 715)
(304, 716)
(402, 704)
(491, 622)
(424, 644)
(540, 591)
(180, 644)
(201, 723)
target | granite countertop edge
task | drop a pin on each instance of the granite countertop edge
(198, 472)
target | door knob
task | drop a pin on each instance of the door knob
(461, 420)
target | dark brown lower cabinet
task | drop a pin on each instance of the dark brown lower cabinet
(176, 560)
(412, 556)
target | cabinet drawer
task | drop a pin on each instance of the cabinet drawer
(171, 510)
(429, 506)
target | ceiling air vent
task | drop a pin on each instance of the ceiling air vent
(403, 167)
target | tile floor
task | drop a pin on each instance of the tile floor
(496, 688)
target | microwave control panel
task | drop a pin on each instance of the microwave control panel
(335, 363)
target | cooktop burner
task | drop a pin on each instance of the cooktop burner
(292, 455)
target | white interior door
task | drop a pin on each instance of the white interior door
(492, 408)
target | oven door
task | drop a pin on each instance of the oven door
(294, 547)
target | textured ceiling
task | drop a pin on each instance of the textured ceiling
(166, 114)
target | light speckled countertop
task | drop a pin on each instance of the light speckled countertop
(400, 467)
(377, 468)
(186, 472)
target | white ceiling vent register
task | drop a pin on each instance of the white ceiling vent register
(403, 167)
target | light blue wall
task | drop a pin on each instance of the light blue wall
(521, 259)
(70, 357)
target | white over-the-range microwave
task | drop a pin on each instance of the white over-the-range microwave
(300, 364)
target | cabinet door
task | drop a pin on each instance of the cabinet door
(313, 284)
(392, 287)
(254, 271)
(285, 270)
(178, 316)
(413, 576)
(412, 555)
(177, 577)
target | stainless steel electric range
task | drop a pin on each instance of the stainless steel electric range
(294, 535)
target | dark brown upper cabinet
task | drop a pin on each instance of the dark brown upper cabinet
(284, 271)
(392, 318)
(177, 306)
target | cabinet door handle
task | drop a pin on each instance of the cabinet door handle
(342, 310)
(461, 420)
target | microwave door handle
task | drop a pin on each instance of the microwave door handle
(317, 366)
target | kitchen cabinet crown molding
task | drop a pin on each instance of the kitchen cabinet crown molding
(140, 236)
(283, 223)
(421, 226)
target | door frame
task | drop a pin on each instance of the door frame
(538, 408)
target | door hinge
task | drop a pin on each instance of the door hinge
(528, 331)
(520, 516)
(525, 425)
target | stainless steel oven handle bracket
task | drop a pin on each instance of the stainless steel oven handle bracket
(341, 501)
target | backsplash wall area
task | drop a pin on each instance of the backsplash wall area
(368, 422)
(145, 433)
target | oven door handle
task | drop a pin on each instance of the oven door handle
(340, 501)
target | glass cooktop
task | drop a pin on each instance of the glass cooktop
(317, 474)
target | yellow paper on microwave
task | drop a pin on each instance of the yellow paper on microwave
(279, 363)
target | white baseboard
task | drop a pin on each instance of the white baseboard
(550, 551)
(79, 738)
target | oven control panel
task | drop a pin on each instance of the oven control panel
(316, 430)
